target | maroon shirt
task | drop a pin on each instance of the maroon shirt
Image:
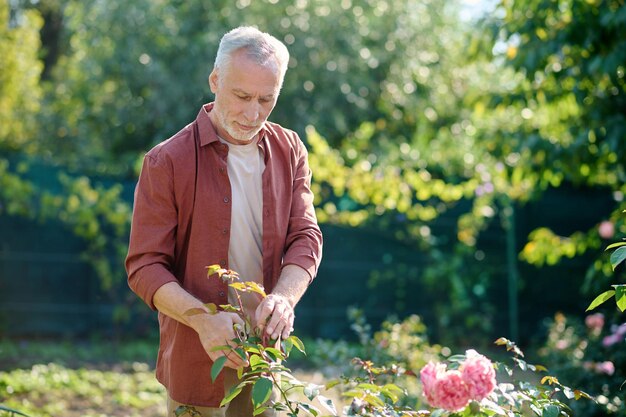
(181, 224)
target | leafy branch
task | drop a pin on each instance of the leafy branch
(619, 290)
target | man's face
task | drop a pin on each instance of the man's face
(245, 95)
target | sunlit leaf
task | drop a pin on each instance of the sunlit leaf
(328, 404)
(374, 400)
(615, 245)
(311, 391)
(229, 308)
(332, 383)
(620, 296)
(232, 393)
(287, 346)
(578, 394)
(297, 343)
(259, 410)
(212, 308)
(309, 408)
(275, 353)
(549, 379)
(249, 286)
(221, 347)
(215, 269)
(607, 295)
(257, 361)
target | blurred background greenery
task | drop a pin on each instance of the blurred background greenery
(471, 150)
(468, 156)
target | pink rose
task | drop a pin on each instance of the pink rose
(595, 322)
(561, 344)
(429, 375)
(606, 367)
(451, 392)
(621, 330)
(443, 388)
(479, 375)
(611, 340)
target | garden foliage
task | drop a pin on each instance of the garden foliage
(463, 386)
(416, 113)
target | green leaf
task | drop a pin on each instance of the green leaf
(259, 410)
(213, 269)
(287, 346)
(212, 308)
(221, 347)
(551, 411)
(242, 354)
(234, 391)
(311, 391)
(309, 408)
(620, 296)
(374, 400)
(275, 353)
(261, 391)
(601, 299)
(257, 362)
(217, 367)
(297, 343)
(615, 245)
(618, 256)
(332, 383)
(328, 404)
(392, 391)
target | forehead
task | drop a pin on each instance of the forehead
(243, 73)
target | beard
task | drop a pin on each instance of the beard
(232, 129)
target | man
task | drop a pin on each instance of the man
(231, 189)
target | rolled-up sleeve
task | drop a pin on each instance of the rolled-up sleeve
(150, 259)
(304, 237)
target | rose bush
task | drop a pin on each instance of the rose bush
(590, 354)
(463, 386)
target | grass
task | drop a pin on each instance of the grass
(94, 378)
(87, 379)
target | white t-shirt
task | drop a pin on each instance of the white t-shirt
(245, 250)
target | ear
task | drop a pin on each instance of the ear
(213, 81)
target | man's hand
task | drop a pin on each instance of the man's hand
(218, 330)
(275, 316)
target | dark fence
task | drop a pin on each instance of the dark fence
(46, 289)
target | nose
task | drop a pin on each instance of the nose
(252, 111)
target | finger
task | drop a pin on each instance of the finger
(287, 330)
(264, 311)
(280, 321)
(232, 359)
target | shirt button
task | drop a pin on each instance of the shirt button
(222, 169)
(222, 293)
(224, 231)
(223, 263)
(226, 199)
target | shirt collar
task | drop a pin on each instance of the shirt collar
(208, 134)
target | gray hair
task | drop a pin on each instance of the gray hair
(259, 46)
